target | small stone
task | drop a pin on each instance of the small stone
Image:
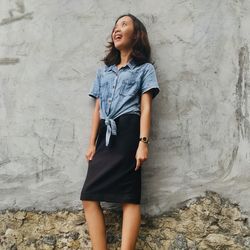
(74, 235)
(13, 247)
(9, 231)
(247, 242)
(49, 240)
(20, 215)
(64, 229)
(73, 245)
(79, 221)
(31, 241)
(215, 240)
(180, 242)
(231, 212)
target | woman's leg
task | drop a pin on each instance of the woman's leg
(96, 224)
(131, 222)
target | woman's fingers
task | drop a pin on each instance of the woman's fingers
(138, 164)
(89, 155)
(139, 161)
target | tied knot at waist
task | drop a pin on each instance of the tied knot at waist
(111, 129)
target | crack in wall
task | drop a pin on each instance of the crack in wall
(20, 9)
(242, 114)
(14, 19)
(6, 61)
(231, 163)
(4, 162)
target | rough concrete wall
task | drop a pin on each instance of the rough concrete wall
(49, 52)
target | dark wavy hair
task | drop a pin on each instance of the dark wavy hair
(141, 50)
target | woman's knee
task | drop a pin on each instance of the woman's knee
(130, 205)
(87, 204)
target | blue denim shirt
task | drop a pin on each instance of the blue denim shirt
(120, 90)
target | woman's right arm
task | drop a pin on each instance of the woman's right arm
(94, 129)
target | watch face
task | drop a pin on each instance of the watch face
(144, 139)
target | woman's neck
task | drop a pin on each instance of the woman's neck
(125, 57)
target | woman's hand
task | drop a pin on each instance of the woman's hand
(141, 154)
(90, 152)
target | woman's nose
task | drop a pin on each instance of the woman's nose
(116, 29)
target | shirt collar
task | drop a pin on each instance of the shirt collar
(131, 64)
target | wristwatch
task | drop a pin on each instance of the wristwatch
(144, 139)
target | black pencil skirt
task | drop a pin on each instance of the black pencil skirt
(111, 176)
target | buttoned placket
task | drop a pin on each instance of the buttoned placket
(114, 84)
(110, 123)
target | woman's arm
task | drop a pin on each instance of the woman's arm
(94, 129)
(145, 120)
(95, 122)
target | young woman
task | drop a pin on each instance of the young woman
(123, 88)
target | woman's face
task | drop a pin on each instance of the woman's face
(123, 33)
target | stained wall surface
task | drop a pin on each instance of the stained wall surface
(200, 133)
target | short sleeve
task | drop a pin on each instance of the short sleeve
(95, 88)
(149, 81)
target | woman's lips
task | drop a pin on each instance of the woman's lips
(118, 37)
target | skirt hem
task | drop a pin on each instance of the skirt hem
(109, 198)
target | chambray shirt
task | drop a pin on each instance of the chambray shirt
(120, 91)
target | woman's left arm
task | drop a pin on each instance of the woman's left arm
(145, 120)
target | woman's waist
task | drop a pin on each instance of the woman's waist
(122, 116)
(123, 121)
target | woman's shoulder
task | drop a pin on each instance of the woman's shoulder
(101, 69)
(146, 65)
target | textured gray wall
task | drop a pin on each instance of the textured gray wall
(49, 52)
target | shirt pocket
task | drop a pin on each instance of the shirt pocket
(129, 87)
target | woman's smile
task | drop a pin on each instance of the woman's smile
(117, 37)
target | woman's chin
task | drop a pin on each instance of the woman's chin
(118, 46)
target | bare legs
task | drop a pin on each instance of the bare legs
(96, 224)
(130, 225)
